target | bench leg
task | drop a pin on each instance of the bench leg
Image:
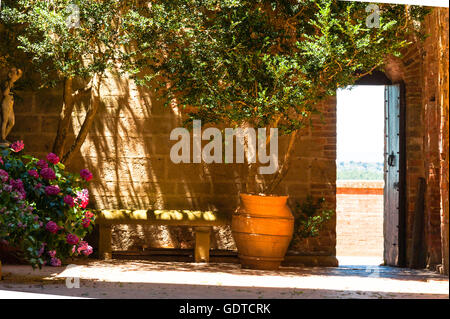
(202, 244)
(104, 245)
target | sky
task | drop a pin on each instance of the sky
(360, 124)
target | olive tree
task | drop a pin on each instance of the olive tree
(235, 62)
(265, 63)
(69, 41)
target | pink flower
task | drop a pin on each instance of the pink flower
(86, 222)
(17, 146)
(38, 185)
(33, 173)
(82, 198)
(1, 161)
(72, 239)
(48, 173)
(41, 250)
(88, 251)
(4, 176)
(52, 253)
(88, 214)
(86, 175)
(52, 190)
(16, 184)
(52, 158)
(52, 227)
(82, 246)
(69, 200)
(55, 262)
(42, 164)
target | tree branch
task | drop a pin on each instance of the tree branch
(88, 120)
(69, 97)
(281, 173)
(64, 117)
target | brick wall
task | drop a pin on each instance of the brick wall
(423, 69)
(359, 224)
(431, 100)
(441, 22)
(444, 144)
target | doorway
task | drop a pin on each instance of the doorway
(369, 175)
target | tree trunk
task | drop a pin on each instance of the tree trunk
(64, 117)
(251, 184)
(282, 171)
(88, 120)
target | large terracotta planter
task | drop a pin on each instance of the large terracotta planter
(262, 229)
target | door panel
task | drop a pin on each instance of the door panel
(392, 176)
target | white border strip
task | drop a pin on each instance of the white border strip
(429, 3)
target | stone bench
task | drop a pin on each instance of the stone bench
(201, 221)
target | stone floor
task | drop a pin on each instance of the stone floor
(147, 279)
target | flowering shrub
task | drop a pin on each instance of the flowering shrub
(42, 207)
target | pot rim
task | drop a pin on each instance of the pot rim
(263, 195)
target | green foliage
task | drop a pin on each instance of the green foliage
(14, 214)
(27, 208)
(76, 43)
(266, 63)
(42, 30)
(309, 218)
(57, 51)
(359, 171)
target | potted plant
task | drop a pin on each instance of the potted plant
(263, 64)
(43, 214)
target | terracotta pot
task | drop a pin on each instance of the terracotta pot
(262, 229)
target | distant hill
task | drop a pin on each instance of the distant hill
(359, 171)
